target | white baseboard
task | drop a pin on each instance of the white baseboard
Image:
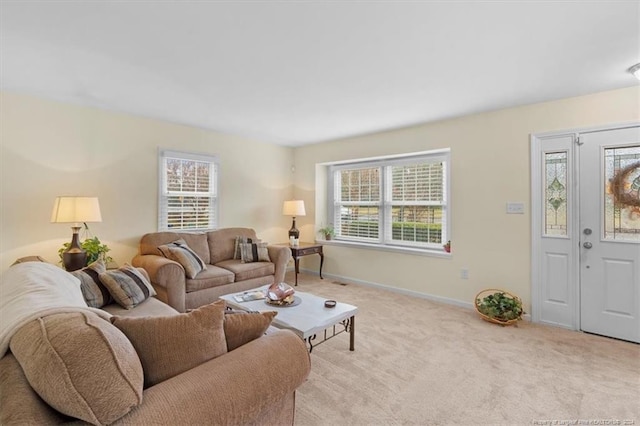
(427, 296)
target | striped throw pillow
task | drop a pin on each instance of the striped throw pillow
(94, 292)
(127, 286)
(254, 252)
(184, 255)
(237, 254)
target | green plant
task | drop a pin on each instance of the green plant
(500, 306)
(94, 248)
(327, 231)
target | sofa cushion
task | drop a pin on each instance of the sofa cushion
(213, 276)
(94, 292)
(197, 241)
(254, 252)
(180, 251)
(222, 242)
(80, 365)
(242, 327)
(170, 345)
(247, 271)
(128, 286)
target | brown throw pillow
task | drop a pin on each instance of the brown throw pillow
(242, 327)
(128, 286)
(80, 365)
(170, 345)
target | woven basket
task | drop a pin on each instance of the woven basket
(487, 292)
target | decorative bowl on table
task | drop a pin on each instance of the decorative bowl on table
(280, 294)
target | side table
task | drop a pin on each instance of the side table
(304, 249)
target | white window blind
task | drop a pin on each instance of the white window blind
(188, 191)
(396, 201)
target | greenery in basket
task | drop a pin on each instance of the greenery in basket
(94, 248)
(500, 306)
(328, 232)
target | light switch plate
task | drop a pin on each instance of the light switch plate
(515, 208)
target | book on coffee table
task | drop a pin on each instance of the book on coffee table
(248, 296)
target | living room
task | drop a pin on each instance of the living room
(53, 145)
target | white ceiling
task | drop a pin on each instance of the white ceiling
(297, 72)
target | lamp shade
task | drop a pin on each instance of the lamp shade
(76, 210)
(293, 208)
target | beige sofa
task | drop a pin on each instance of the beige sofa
(223, 273)
(253, 383)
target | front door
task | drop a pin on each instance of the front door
(609, 232)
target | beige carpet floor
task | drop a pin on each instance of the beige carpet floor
(419, 362)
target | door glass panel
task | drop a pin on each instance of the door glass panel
(622, 193)
(555, 164)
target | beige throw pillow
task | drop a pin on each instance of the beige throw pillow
(254, 252)
(128, 286)
(185, 256)
(242, 327)
(170, 345)
(94, 292)
(80, 365)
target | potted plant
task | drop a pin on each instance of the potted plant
(447, 246)
(94, 248)
(499, 306)
(328, 232)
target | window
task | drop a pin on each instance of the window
(188, 191)
(399, 201)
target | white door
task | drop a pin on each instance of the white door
(609, 232)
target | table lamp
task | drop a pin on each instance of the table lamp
(294, 208)
(76, 210)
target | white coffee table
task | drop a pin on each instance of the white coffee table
(309, 319)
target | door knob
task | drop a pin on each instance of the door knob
(587, 245)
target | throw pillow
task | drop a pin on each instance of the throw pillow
(128, 286)
(80, 365)
(254, 252)
(242, 327)
(95, 293)
(181, 253)
(237, 254)
(170, 345)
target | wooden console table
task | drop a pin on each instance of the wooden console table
(305, 249)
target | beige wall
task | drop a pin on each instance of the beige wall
(490, 160)
(49, 149)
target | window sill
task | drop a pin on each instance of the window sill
(393, 249)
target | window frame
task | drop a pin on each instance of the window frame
(164, 194)
(386, 203)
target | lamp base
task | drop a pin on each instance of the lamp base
(74, 257)
(294, 232)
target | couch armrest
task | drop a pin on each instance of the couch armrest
(166, 274)
(280, 256)
(234, 388)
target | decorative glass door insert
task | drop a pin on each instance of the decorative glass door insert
(622, 193)
(555, 167)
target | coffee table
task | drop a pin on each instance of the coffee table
(309, 319)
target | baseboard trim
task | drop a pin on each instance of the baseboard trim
(427, 296)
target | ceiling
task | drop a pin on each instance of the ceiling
(298, 72)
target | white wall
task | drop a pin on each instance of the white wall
(49, 149)
(490, 163)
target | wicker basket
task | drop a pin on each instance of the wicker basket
(487, 292)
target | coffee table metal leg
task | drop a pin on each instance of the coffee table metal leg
(352, 333)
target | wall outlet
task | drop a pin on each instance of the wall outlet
(515, 208)
(464, 273)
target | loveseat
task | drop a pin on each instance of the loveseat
(140, 366)
(224, 270)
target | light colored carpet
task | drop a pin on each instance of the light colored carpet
(424, 363)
